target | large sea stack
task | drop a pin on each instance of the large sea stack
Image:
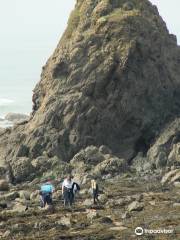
(113, 80)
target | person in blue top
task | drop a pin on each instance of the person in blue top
(46, 192)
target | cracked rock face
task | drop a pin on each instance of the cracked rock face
(112, 80)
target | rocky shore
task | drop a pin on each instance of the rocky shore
(128, 199)
(126, 202)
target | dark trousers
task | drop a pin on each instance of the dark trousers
(46, 199)
(68, 197)
(95, 196)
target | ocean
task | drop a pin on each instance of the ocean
(13, 105)
(28, 37)
(19, 72)
(16, 95)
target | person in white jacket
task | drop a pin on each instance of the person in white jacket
(67, 190)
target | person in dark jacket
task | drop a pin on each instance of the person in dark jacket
(76, 189)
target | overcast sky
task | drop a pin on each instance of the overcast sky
(169, 10)
(30, 31)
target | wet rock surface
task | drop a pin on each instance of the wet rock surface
(109, 221)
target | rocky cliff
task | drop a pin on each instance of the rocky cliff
(112, 80)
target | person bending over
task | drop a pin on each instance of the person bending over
(46, 192)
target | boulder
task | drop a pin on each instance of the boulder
(118, 228)
(24, 195)
(80, 176)
(152, 203)
(7, 234)
(4, 185)
(174, 155)
(41, 164)
(3, 205)
(176, 177)
(2, 170)
(87, 203)
(177, 184)
(176, 205)
(116, 202)
(112, 165)
(18, 207)
(10, 196)
(161, 160)
(22, 169)
(22, 151)
(92, 214)
(35, 195)
(140, 163)
(171, 176)
(165, 150)
(135, 206)
(16, 117)
(104, 150)
(126, 215)
(106, 220)
(103, 198)
(89, 155)
(66, 221)
(34, 182)
(136, 197)
(92, 161)
(128, 6)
